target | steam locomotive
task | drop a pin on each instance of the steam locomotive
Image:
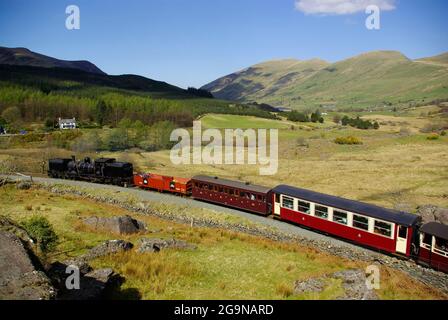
(102, 170)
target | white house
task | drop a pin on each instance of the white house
(66, 124)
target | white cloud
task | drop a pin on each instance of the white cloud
(340, 7)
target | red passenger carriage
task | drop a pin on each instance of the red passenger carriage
(366, 224)
(230, 193)
(434, 246)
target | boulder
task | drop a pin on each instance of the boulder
(118, 225)
(353, 283)
(104, 249)
(23, 185)
(156, 244)
(310, 285)
(91, 286)
(430, 213)
(19, 279)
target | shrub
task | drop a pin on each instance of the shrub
(41, 231)
(297, 117)
(433, 136)
(348, 140)
(443, 133)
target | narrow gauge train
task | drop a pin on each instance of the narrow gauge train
(386, 230)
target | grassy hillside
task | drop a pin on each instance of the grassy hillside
(368, 80)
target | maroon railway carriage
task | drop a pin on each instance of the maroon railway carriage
(434, 246)
(369, 225)
(230, 193)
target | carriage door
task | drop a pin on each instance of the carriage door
(276, 204)
(402, 239)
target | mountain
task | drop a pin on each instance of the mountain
(369, 79)
(441, 59)
(74, 80)
(25, 57)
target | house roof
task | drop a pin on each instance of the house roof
(67, 120)
(399, 217)
(232, 184)
(436, 229)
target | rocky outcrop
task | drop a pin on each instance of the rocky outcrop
(19, 279)
(431, 213)
(118, 225)
(92, 283)
(353, 283)
(155, 244)
(106, 248)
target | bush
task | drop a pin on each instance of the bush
(360, 123)
(443, 133)
(348, 140)
(433, 136)
(42, 233)
(297, 117)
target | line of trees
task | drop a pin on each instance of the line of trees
(297, 116)
(105, 106)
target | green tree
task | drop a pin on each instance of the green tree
(41, 231)
(116, 140)
(12, 115)
(99, 112)
(297, 116)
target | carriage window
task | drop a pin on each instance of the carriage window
(321, 212)
(288, 203)
(277, 198)
(403, 232)
(216, 188)
(441, 244)
(360, 222)
(221, 189)
(259, 197)
(252, 197)
(242, 194)
(196, 184)
(231, 192)
(382, 228)
(304, 207)
(427, 239)
(340, 217)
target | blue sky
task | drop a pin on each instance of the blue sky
(192, 42)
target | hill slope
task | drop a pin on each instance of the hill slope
(369, 79)
(25, 57)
